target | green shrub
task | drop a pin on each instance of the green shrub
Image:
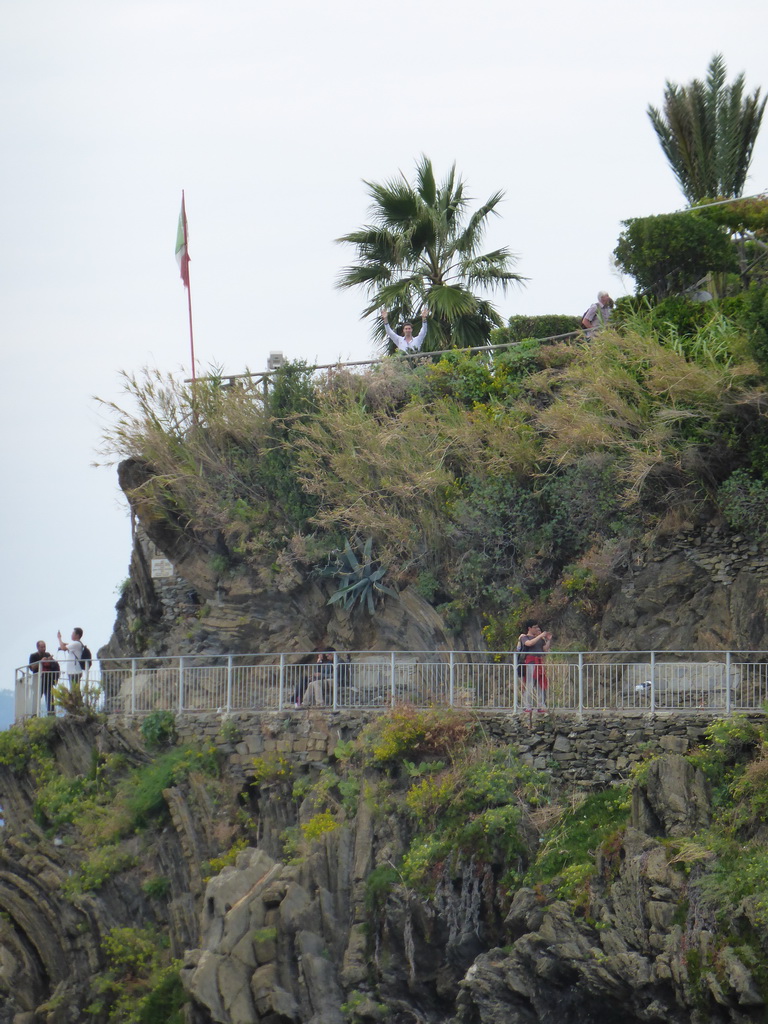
(537, 327)
(405, 732)
(479, 379)
(670, 252)
(495, 526)
(349, 789)
(582, 503)
(681, 314)
(60, 800)
(271, 769)
(165, 1000)
(472, 810)
(139, 986)
(217, 864)
(730, 745)
(743, 501)
(378, 886)
(230, 731)
(318, 825)
(159, 729)
(96, 870)
(291, 399)
(750, 310)
(140, 796)
(578, 832)
(131, 950)
(157, 888)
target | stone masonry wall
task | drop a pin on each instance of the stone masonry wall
(589, 752)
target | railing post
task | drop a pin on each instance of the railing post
(281, 688)
(727, 682)
(181, 683)
(451, 678)
(581, 684)
(515, 677)
(392, 689)
(652, 705)
(133, 686)
(335, 680)
(229, 683)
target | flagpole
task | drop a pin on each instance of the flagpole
(182, 255)
(189, 286)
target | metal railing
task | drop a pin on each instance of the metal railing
(718, 682)
(262, 377)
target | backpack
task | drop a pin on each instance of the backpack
(521, 649)
(84, 661)
(593, 321)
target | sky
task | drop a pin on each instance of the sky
(270, 117)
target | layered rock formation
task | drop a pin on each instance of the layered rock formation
(628, 956)
(317, 940)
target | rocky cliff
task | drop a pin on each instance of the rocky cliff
(281, 886)
(704, 588)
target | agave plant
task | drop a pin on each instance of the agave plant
(359, 578)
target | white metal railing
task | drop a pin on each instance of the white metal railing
(584, 681)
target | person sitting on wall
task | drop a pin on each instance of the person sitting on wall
(317, 693)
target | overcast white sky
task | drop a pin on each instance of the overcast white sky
(269, 116)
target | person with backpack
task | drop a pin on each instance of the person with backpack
(598, 314)
(78, 657)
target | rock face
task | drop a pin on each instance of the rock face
(314, 941)
(195, 612)
(629, 957)
(701, 589)
(705, 589)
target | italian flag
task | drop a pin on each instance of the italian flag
(182, 254)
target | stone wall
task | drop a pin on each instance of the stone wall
(703, 588)
(719, 552)
(589, 752)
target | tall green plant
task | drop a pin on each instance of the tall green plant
(423, 246)
(707, 131)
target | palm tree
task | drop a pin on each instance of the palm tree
(708, 131)
(423, 248)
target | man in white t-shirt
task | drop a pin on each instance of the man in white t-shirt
(406, 342)
(74, 649)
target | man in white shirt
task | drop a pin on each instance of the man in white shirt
(74, 650)
(406, 342)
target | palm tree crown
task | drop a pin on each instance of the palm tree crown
(708, 131)
(423, 248)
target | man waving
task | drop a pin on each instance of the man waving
(406, 341)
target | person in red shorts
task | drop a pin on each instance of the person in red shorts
(533, 645)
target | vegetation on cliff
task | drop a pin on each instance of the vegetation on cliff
(460, 824)
(106, 820)
(496, 484)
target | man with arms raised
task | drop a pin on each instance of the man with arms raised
(407, 342)
(73, 665)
